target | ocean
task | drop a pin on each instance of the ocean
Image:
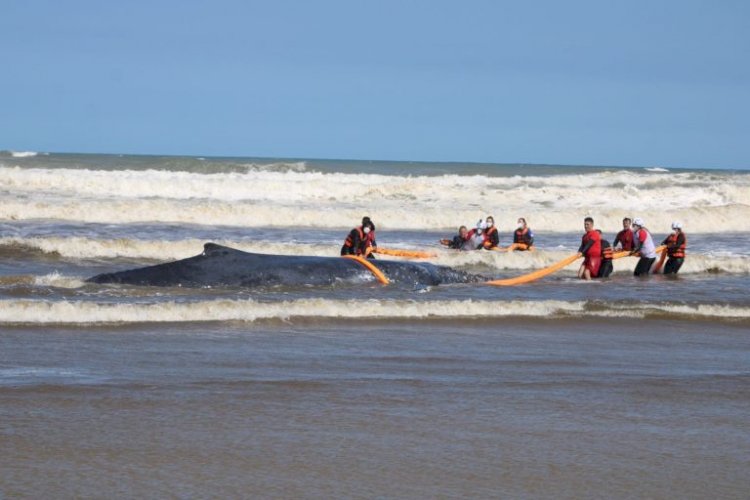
(616, 388)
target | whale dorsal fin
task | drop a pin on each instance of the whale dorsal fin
(213, 249)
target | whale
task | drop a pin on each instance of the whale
(221, 266)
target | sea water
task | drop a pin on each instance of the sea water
(560, 388)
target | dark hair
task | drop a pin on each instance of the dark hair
(599, 231)
(522, 219)
(366, 221)
(462, 227)
(627, 219)
(588, 219)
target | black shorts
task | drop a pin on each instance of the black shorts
(673, 265)
(605, 269)
(644, 266)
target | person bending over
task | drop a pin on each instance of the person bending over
(360, 240)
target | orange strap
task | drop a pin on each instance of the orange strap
(416, 254)
(512, 247)
(626, 253)
(658, 265)
(370, 267)
(518, 246)
(526, 278)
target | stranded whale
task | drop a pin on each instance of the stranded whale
(223, 266)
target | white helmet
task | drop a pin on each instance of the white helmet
(638, 222)
(677, 225)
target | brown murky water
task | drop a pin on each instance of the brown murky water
(417, 409)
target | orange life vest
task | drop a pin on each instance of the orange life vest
(349, 243)
(607, 252)
(673, 249)
(488, 237)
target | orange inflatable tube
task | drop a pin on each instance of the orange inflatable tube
(541, 273)
(370, 267)
(414, 254)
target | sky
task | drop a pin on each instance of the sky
(636, 83)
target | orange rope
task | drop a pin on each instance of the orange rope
(370, 267)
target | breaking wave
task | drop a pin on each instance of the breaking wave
(81, 312)
(295, 197)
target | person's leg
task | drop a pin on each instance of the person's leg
(673, 265)
(643, 267)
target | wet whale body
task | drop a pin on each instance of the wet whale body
(224, 266)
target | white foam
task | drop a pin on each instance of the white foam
(23, 154)
(69, 312)
(57, 280)
(703, 201)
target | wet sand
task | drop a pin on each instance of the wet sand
(414, 409)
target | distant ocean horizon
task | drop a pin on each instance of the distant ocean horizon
(232, 158)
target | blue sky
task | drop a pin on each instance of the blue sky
(641, 83)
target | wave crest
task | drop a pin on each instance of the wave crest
(296, 197)
(69, 312)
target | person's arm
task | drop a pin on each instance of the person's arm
(585, 246)
(617, 240)
(637, 244)
(680, 240)
(531, 237)
(495, 238)
(666, 242)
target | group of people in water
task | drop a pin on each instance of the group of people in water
(634, 238)
(485, 236)
(597, 251)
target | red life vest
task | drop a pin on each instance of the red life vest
(488, 237)
(673, 249)
(596, 249)
(349, 243)
(625, 237)
(521, 236)
(607, 252)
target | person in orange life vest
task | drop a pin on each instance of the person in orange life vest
(370, 244)
(676, 243)
(476, 236)
(491, 236)
(359, 239)
(643, 243)
(591, 248)
(523, 234)
(625, 237)
(459, 242)
(605, 269)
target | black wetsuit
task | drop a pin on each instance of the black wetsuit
(605, 269)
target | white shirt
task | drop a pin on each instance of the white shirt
(648, 249)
